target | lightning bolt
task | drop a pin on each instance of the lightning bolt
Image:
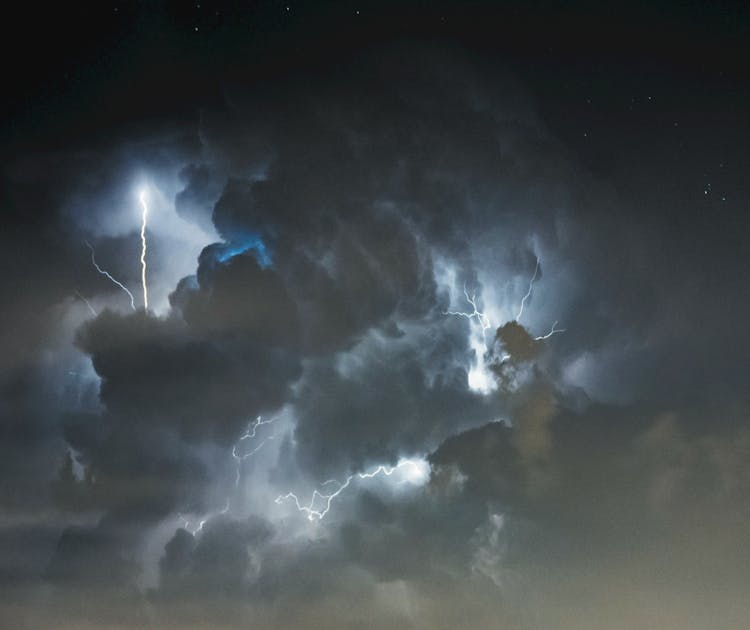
(249, 434)
(483, 320)
(479, 376)
(552, 331)
(196, 526)
(107, 275)
(528, 293)
(87, 303)
(320, 502)
(194, 529)
(144, 217)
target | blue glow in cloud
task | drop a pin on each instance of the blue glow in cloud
(246, 243)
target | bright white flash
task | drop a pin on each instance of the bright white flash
(106, 274)
(144, 217)
(412, 471)
(480, 378)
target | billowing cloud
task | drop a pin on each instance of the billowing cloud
(375, 265)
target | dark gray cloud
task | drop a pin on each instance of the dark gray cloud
(225, 551)
(396, 403)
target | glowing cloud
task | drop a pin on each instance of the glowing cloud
(251, 242)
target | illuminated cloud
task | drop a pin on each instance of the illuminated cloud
(401, 361)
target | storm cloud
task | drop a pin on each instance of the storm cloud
(409, 363)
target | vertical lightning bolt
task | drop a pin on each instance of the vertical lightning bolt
(106, 274)
(144, 217)
(528, 293)
(320, 502)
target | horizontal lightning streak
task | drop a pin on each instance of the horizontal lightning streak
(553, 331)
(324, 501)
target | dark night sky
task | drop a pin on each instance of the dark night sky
(363, 220)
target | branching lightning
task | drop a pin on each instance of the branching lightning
(528, 293)
(249, 434)
(483, 320)
(480, 377)
(107, 275)
(144, 217)
(239, 457)
(320, 502)
(552, 331)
